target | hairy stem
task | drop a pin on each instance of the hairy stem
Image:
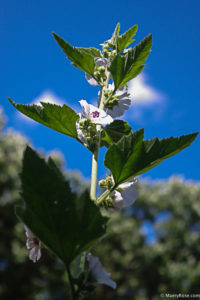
(73, 292)
(104, 195)
(95, 155)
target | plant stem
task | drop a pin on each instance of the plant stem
(104, 195)
(73, 292)
(95, 155)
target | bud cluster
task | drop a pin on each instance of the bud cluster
(110, 99)
(108, 202)
(109, 49)
(106, 183)
(100, 74)
(89, 131)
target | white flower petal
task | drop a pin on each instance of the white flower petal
(80, 131)
(94, 114)
(123, 103)
(100, 61)
(125, 196)
(97, 271)
(35, 253)
(91, 80)
(32, 244)
(117, 200)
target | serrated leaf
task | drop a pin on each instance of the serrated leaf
(60, 118)
(92, 51)
(115, 34)
(131, 156)
(114, 132)
(126, 38)
(65, 223)
(123, 154)
(80, 57)
(126, 67)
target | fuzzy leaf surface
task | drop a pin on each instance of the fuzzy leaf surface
(126, 38)
(82, 58)
(65, 223)
(114, 132)
(126, 67)
(131, 156)
(60, 118)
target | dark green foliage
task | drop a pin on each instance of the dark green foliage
(65, 223)
(126, 38)
(132, 156)
(114, 132)
(82, 58)
(126, 67)
(60, 118)
(142, 270)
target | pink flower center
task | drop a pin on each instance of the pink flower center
(36, 241)
(95, 114)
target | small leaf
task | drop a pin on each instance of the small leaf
(65, 223)
(126, 38)
(131, 156)
(126, 67)
(114, 132)
(115, 35)
(60, 118)
(80, 57)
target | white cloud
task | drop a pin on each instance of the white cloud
(142, 93)
(148, 103)
(47, 97)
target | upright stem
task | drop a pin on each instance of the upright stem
(95, 155)
(73, 292)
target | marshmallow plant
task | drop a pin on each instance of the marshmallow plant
(67, 224)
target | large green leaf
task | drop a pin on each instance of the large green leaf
(113, 132)
(131, 156)
(126, 38)
(124, 154)
(60, 118)
(126, 67)
(65, 223)
(82, 58)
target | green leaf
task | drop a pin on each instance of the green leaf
(60, 118)
(65, 223)
(131, 156)
(82, 58)
(114, 132)
(122, 155)
(115, 35)
(126, 67)
(79, 265)
(92, 51)
(126, 39)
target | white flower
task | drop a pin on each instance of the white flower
(98, 273)
(32, 244)
(90, 80)
(94, 114)
(124, 101)
(80, 131)
(100, 62)
(124, 195)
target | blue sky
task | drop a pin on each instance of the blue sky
(166, 95)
